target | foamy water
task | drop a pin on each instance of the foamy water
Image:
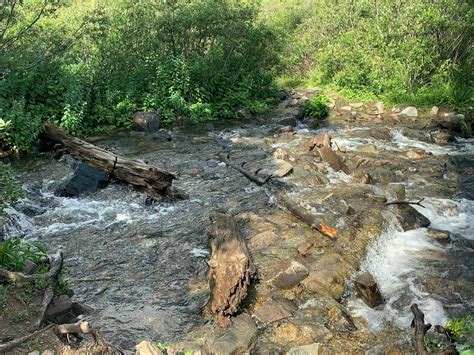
(397, 264)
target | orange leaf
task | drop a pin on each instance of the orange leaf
(328, 231)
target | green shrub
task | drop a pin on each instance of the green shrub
(459, 327)
(317, 107)
(15, 252)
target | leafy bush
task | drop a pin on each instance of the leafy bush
(10, 190)
(317, 107)
(415, 52)
(15, 252)
(459, 327)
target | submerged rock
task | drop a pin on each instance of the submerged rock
(85, 179)
(438, 235)
(369, 290)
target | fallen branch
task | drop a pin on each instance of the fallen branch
(402, 202)
(56, 265)
(20, 277)
(16, 342)
(252, 177)
(80, 327)
(155, 182)
(420, 329)
(306, 216)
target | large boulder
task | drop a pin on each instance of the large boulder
(85, 179)
(146, 121)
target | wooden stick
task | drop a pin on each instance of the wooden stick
(14, 343)
(252, 177)
(56, 266)
(79, 327)
(420, 329)
(401, 202)
(306, 216)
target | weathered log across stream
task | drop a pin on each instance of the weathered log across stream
(155, 182)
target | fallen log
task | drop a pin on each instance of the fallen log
(230, 268)
(306, 216)
(155, 182)
(80, 327)
(252, 177)
(420, 329)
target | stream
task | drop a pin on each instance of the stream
(143, 269)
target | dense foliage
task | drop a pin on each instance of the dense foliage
(10, 190)
(406, 51)
(88, 64)
(14, 253)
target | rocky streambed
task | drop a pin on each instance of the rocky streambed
(143, 268)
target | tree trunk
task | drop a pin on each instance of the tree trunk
(153, 181)
(231, 268)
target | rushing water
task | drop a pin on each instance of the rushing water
(143, 268)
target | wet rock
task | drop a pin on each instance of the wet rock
(434, 111)
(60, 306)
(161, 136)
(321, 140)
(282, 154)
(439, 235)
(370, 149)
(289, 121)
(397, 190)
(313, 123)
(304, 248)
(146, 121)
(244, 114)
(263, 240)
(410, 218)
(237, 339)
(380, 107)
(275, 310)
(410, 111)
(289, 275)
(332, 159)
(377, 198)
(85, 179)
(285, 129)
(416, 154)
(362, 177)
(442, 137)
(283, 170)
(451, 122)
(311, 349)
(147, 348)
(369, 290)
(328, 276)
